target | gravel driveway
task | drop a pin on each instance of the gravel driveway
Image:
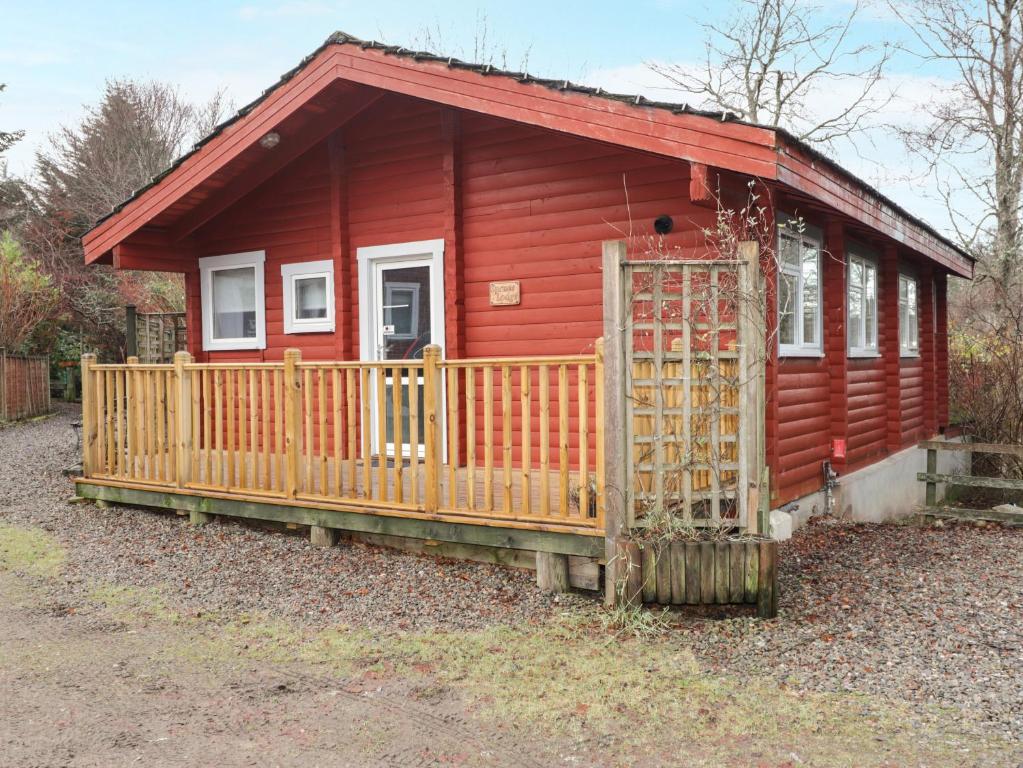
(924, 615)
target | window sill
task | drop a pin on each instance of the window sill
(322, 328)
(806, 353)
(854, 355)
(232, 346)
(909, 355)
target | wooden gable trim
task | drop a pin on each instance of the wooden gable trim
(827, 187)
(283, 103)
(732, 146)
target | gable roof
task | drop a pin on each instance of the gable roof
(717, 139)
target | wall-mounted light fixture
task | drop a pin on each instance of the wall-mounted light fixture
(270, 141)
(663, 224)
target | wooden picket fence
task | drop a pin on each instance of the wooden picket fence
(480, 440)
(24, 386)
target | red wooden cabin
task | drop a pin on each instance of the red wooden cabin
(377, 200)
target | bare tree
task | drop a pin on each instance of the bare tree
(8, 138)
(767, 61)
(974, 142)
(481, 49)
(134, 132)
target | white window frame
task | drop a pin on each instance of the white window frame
(207, 267)
(806, 236)
(290, 273)
(909, 331)
(869, 348)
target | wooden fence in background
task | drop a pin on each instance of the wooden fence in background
(24, 386)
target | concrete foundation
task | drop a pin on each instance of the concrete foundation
(885, 490)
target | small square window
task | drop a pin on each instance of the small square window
(308, 297)
(231, 288)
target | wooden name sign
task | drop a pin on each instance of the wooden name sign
(505, 294)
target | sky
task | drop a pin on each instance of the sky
(56, 56)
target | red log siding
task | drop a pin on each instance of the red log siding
(536, 207)
(941, 347)
(868, 424)
(911, 372)
(514, 202)
(289, 219)
(804, 425)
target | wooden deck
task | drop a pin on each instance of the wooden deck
(487, 442)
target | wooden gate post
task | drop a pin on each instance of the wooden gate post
(752, 384)
(183, 380)
(292, 420)
(89, 427)
(3, 384)
(434, 444)
(615, 492)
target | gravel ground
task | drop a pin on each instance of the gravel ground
(920, 614)
(925, 615)
(232, 567)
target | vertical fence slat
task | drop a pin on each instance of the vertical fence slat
(321, 412)
(364, 428)
(307, 409)
(254, 406)
(563, 440)
(453, 401)
(470, 437)
(526, 419)
(397, 438)
(264, 432)
(119, 415)
(337, 409)
(506, 437)
(545, 440)
(381, 382)
(350, 395)
(584, 440)
(488, 438)
(413, 434)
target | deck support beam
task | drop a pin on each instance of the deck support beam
(320, 536)
(199, 519)
(285, 511)
(552, 572)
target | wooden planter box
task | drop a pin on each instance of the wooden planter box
(699, 573)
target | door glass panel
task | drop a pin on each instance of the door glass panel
(405, 331)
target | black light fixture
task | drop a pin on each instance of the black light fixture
(664, 224)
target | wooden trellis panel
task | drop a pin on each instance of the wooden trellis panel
(691, 378)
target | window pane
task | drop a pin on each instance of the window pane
(786, 309)
(234, 303)
(855, 319)
(789, 256)
(911, 313)
(855, 273)
(311, 298)
(811, 292)
(870, 306)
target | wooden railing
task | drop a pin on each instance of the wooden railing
(483, 440)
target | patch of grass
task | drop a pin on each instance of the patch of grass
(30, 551)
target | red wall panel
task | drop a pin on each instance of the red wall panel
(867, 411)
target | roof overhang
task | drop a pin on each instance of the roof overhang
(345, 75)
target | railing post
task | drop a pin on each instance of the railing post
(183, 379)
(89, 426)
(433, 406)
(292, 420)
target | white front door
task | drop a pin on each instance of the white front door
(401, 312)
